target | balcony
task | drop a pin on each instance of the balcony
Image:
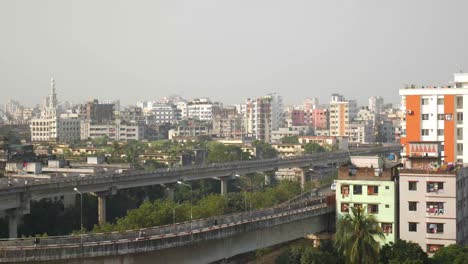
(435, 208)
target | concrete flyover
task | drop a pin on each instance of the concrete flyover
(15, 201)
(200, 241)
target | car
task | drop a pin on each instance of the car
(333, 186)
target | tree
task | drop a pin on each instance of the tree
(218, 153)
(355, 237)
(264, 150)
(311, 148)
(401, 251)
(290, 140)
(100, 141)
(453, 254)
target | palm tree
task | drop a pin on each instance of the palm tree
(355, 237)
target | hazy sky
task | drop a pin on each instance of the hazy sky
(228, 50)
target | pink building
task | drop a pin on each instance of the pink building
(315, 118)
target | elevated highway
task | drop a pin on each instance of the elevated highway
(200, 241)
(15, 201)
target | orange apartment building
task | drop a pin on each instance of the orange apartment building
(435, 114)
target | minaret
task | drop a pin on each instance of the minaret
(52, 96)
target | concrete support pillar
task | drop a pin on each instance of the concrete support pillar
(224, 185)
(270, 177)
(304, 170)
(102, 209)
(14, 217)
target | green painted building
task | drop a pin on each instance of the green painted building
(371, 183)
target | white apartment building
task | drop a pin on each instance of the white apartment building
(182, 110)
(50, 127)
(277, 111)
(436, 114)
(201, 109)
(115, 131)
(257, 119)
(376, 104)
(432, 199)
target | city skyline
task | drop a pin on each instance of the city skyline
(154, 49)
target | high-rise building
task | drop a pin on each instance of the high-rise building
(227, 123)
(258, 118)
(435, 114)
(98, 111)
(376, 104)
(277, 110)
(342, 113)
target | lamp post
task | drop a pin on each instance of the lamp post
(191, 198)
(81, 207)
(173, 213)
(245, 193)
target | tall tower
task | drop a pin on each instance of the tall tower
(52, 100)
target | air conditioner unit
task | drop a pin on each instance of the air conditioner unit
(409, 112)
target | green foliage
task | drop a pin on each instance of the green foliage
(290, 140)
(311, 148)
(11, 136)
(401, 251)
(453, 254)
(160, 212)
(218, 153)
(100, 141)
(305, 254)
(355, 237)
(264, 150)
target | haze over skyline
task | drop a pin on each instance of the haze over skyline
(227, 50)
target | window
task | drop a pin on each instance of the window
(435, 228)
(459, 147)
(425, 132)
(372, 190)
(412, 227)
(345, 190)
(440, 132)
(413, 206)
(460, 116)
(344, 207)
(435, 208)
(387, 228)
(425, 117)
(412, 186)
(434, 187)
(440, 117)
(459, 102)
(424, 101)
(372, 208)
(440, 101)
(357, 189)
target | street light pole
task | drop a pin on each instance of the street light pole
(191, 198)
(251, 187)
(173, 213)
(81, 207)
